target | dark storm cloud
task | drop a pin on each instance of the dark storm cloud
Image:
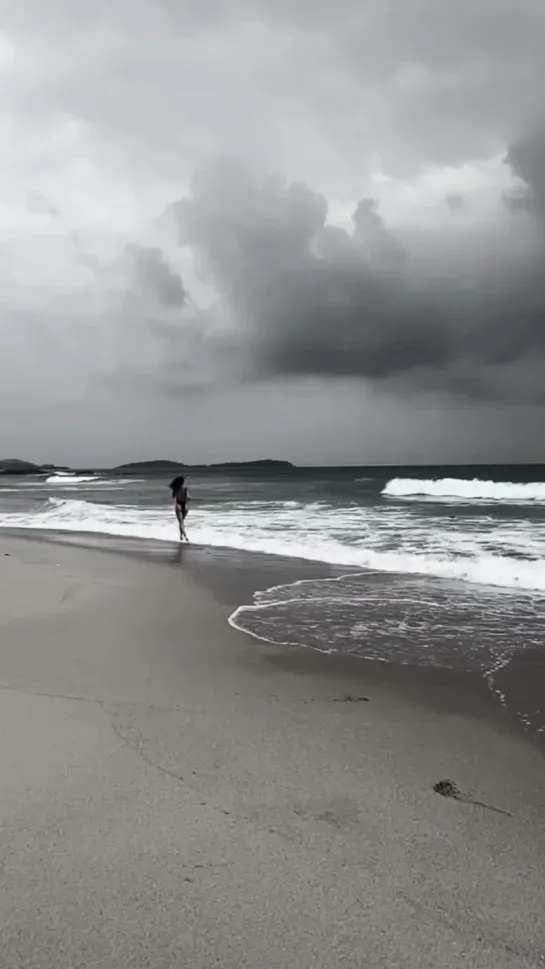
(527, 160)
(159, 342)
(314, 299)
(390, 112)
(141, 272)
(154, 277)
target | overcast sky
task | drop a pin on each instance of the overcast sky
(288, 228)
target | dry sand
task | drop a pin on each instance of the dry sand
(176, 794)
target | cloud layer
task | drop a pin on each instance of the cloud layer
(460, 308)
(348, 198)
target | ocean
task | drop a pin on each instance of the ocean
(459, 561)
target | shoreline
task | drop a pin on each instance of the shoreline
(177, 793)
(231, 575)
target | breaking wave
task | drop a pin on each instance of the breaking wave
(299, 537)
(465, 490)
(64, 478)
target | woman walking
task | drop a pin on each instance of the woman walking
(180, 496)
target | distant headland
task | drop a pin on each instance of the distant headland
(16, 467)
(167, 467)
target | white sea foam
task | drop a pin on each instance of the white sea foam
(308, 532)
(421, 624)
(65, 478)
(465, 490)
(70, 482)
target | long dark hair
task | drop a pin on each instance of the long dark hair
(176, 485)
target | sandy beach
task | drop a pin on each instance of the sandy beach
(175, 793)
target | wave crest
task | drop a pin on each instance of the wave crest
(63, 478)
(465, 489)
(482, 567)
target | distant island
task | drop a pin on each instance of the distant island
(16, 467)
(148, 467)
(164, 467)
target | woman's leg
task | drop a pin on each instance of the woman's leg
(180, 517)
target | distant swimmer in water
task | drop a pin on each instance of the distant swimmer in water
(180, 496)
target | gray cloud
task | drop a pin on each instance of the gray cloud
(314, 299)
(396, 259)
(455, 201)
(41, 205)
(297, 85)
(154, 277)
(527, 160)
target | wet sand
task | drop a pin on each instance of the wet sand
(175, 793)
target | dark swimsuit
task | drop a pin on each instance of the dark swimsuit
(181, 501)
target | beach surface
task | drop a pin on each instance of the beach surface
(175, 793)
